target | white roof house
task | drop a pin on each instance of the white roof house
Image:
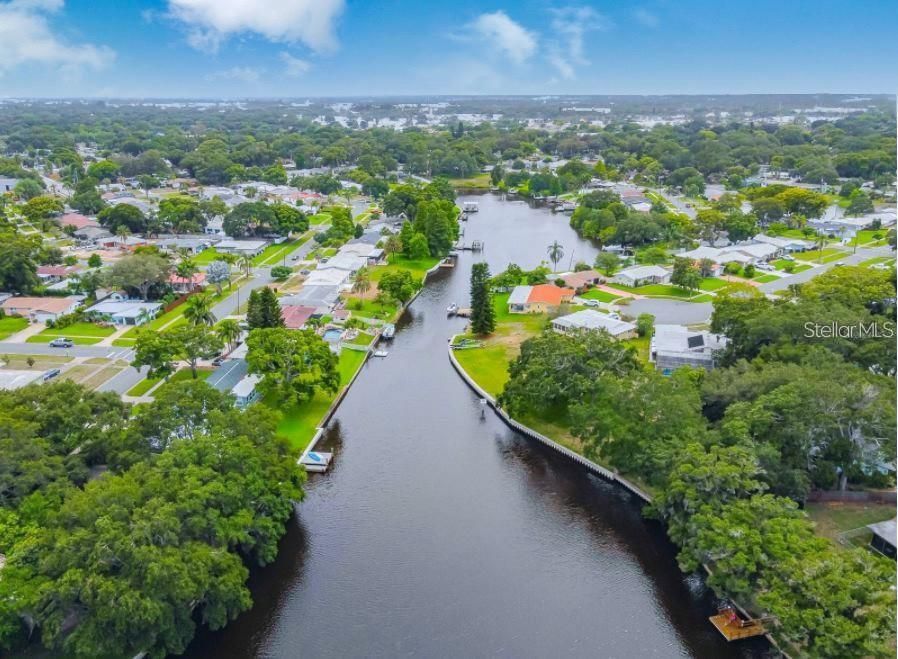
(126, 312)
(592, 320)
(520, 295)
(245, 391)
(673, 346)
(251, 247)
(642, 274)
(358, 249)
(748, 253)
(327, 277)
(786, 244)
(344, 261)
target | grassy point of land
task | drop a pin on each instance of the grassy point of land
(300, 421)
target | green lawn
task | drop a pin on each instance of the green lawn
(368, 308)
(825, 255)
(206, 256)
(142, 387)
(868, 236)
(479, 181)
(299, 422)
(321, 219)
(418, 267)
(877, 260)
(834, 517)
(182, 375)
(601, 296)
(276, 254)
(80, 333)
(764, 279)
(713, 284)
(666, 290)
(487, 365)
(9, 325)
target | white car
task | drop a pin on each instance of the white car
(590, 303)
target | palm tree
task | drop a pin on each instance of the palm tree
(186, 269)
(228, 331)
(122, 232)
(198, 310)
(361, 281)
(246, 262)
(556, 253)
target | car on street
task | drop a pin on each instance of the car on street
(61, 343)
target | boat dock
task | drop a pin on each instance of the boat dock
(734, 628)
(316, 462)
(475, 246)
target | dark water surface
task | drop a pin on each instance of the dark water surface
(439, 533)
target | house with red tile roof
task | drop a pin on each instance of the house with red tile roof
(185, 285)
(76, 220)
(541, 298)
(296, 316)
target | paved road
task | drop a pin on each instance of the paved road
(124, 381)
(863, 254)
(110, 352)
(261, 277)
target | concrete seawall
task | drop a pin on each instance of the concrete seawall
(604, 472)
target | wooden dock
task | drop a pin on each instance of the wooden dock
(735, 628)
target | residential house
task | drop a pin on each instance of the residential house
(674, 346)
(8, 184)
(76, 220)
(91, 234)
(126, 312)
(743, 254)
(242, 247)
(590, 320)
(641, 275)
(640, 204)
(192, 246)
(328, 277)
(883, 539)
(321, 297)
(245, 391)
(51, 274)
(785, 245)
(580, 281)
(296, 316)
(187, 284)
(344, 261)
(41, 309)
(541, 298)
(232, 378)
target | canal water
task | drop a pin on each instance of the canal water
(440, 532)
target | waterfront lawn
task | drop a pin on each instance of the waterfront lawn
(370, 308)
(601, 296)
(10, 325)
(832, 518)
(418, 267)
(300, 421)
(488, 365)
(478, 181)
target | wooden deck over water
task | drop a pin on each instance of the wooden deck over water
(734, 628)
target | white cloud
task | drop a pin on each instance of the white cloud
(573, 23)
(293, 66)
(245, 74)
(509, 37)
(27, 38)
(309, 22)
(646, 18)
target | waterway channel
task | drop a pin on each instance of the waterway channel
(440, 532)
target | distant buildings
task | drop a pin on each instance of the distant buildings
(674, 346)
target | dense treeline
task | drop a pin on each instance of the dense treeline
(123, 529)
(731, 454)
(247, 145)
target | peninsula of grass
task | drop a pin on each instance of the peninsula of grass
(299, 422)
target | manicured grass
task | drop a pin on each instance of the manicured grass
(764, 279)
(9, 325)
(641, 344)
(876, 261)
(868, 236)
(480, 181)
(713, 284)
(665, 290)
(276, 254)
(487, 365)
(834, 517)
(206, 256)
(88, 330)
(182, 375)
(601, 296)
(368, 308)
(77, 340)
(321, 219)
(299, 422)
(703, 298)
(418, 267)
(142, 387)
(825, 255)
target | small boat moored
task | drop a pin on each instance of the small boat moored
(389, 331)
(452, 309)
(380, 353)
(316, 462)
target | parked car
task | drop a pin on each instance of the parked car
(591, 303)
(765, 266)
(788, 257)
(840, 263)
(61, 343)
(52, 373)
(218, 361)
(305, 273)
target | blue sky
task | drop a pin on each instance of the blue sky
(296, 48)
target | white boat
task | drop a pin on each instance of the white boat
(389, 331)
(380, 353)
(452, 309)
